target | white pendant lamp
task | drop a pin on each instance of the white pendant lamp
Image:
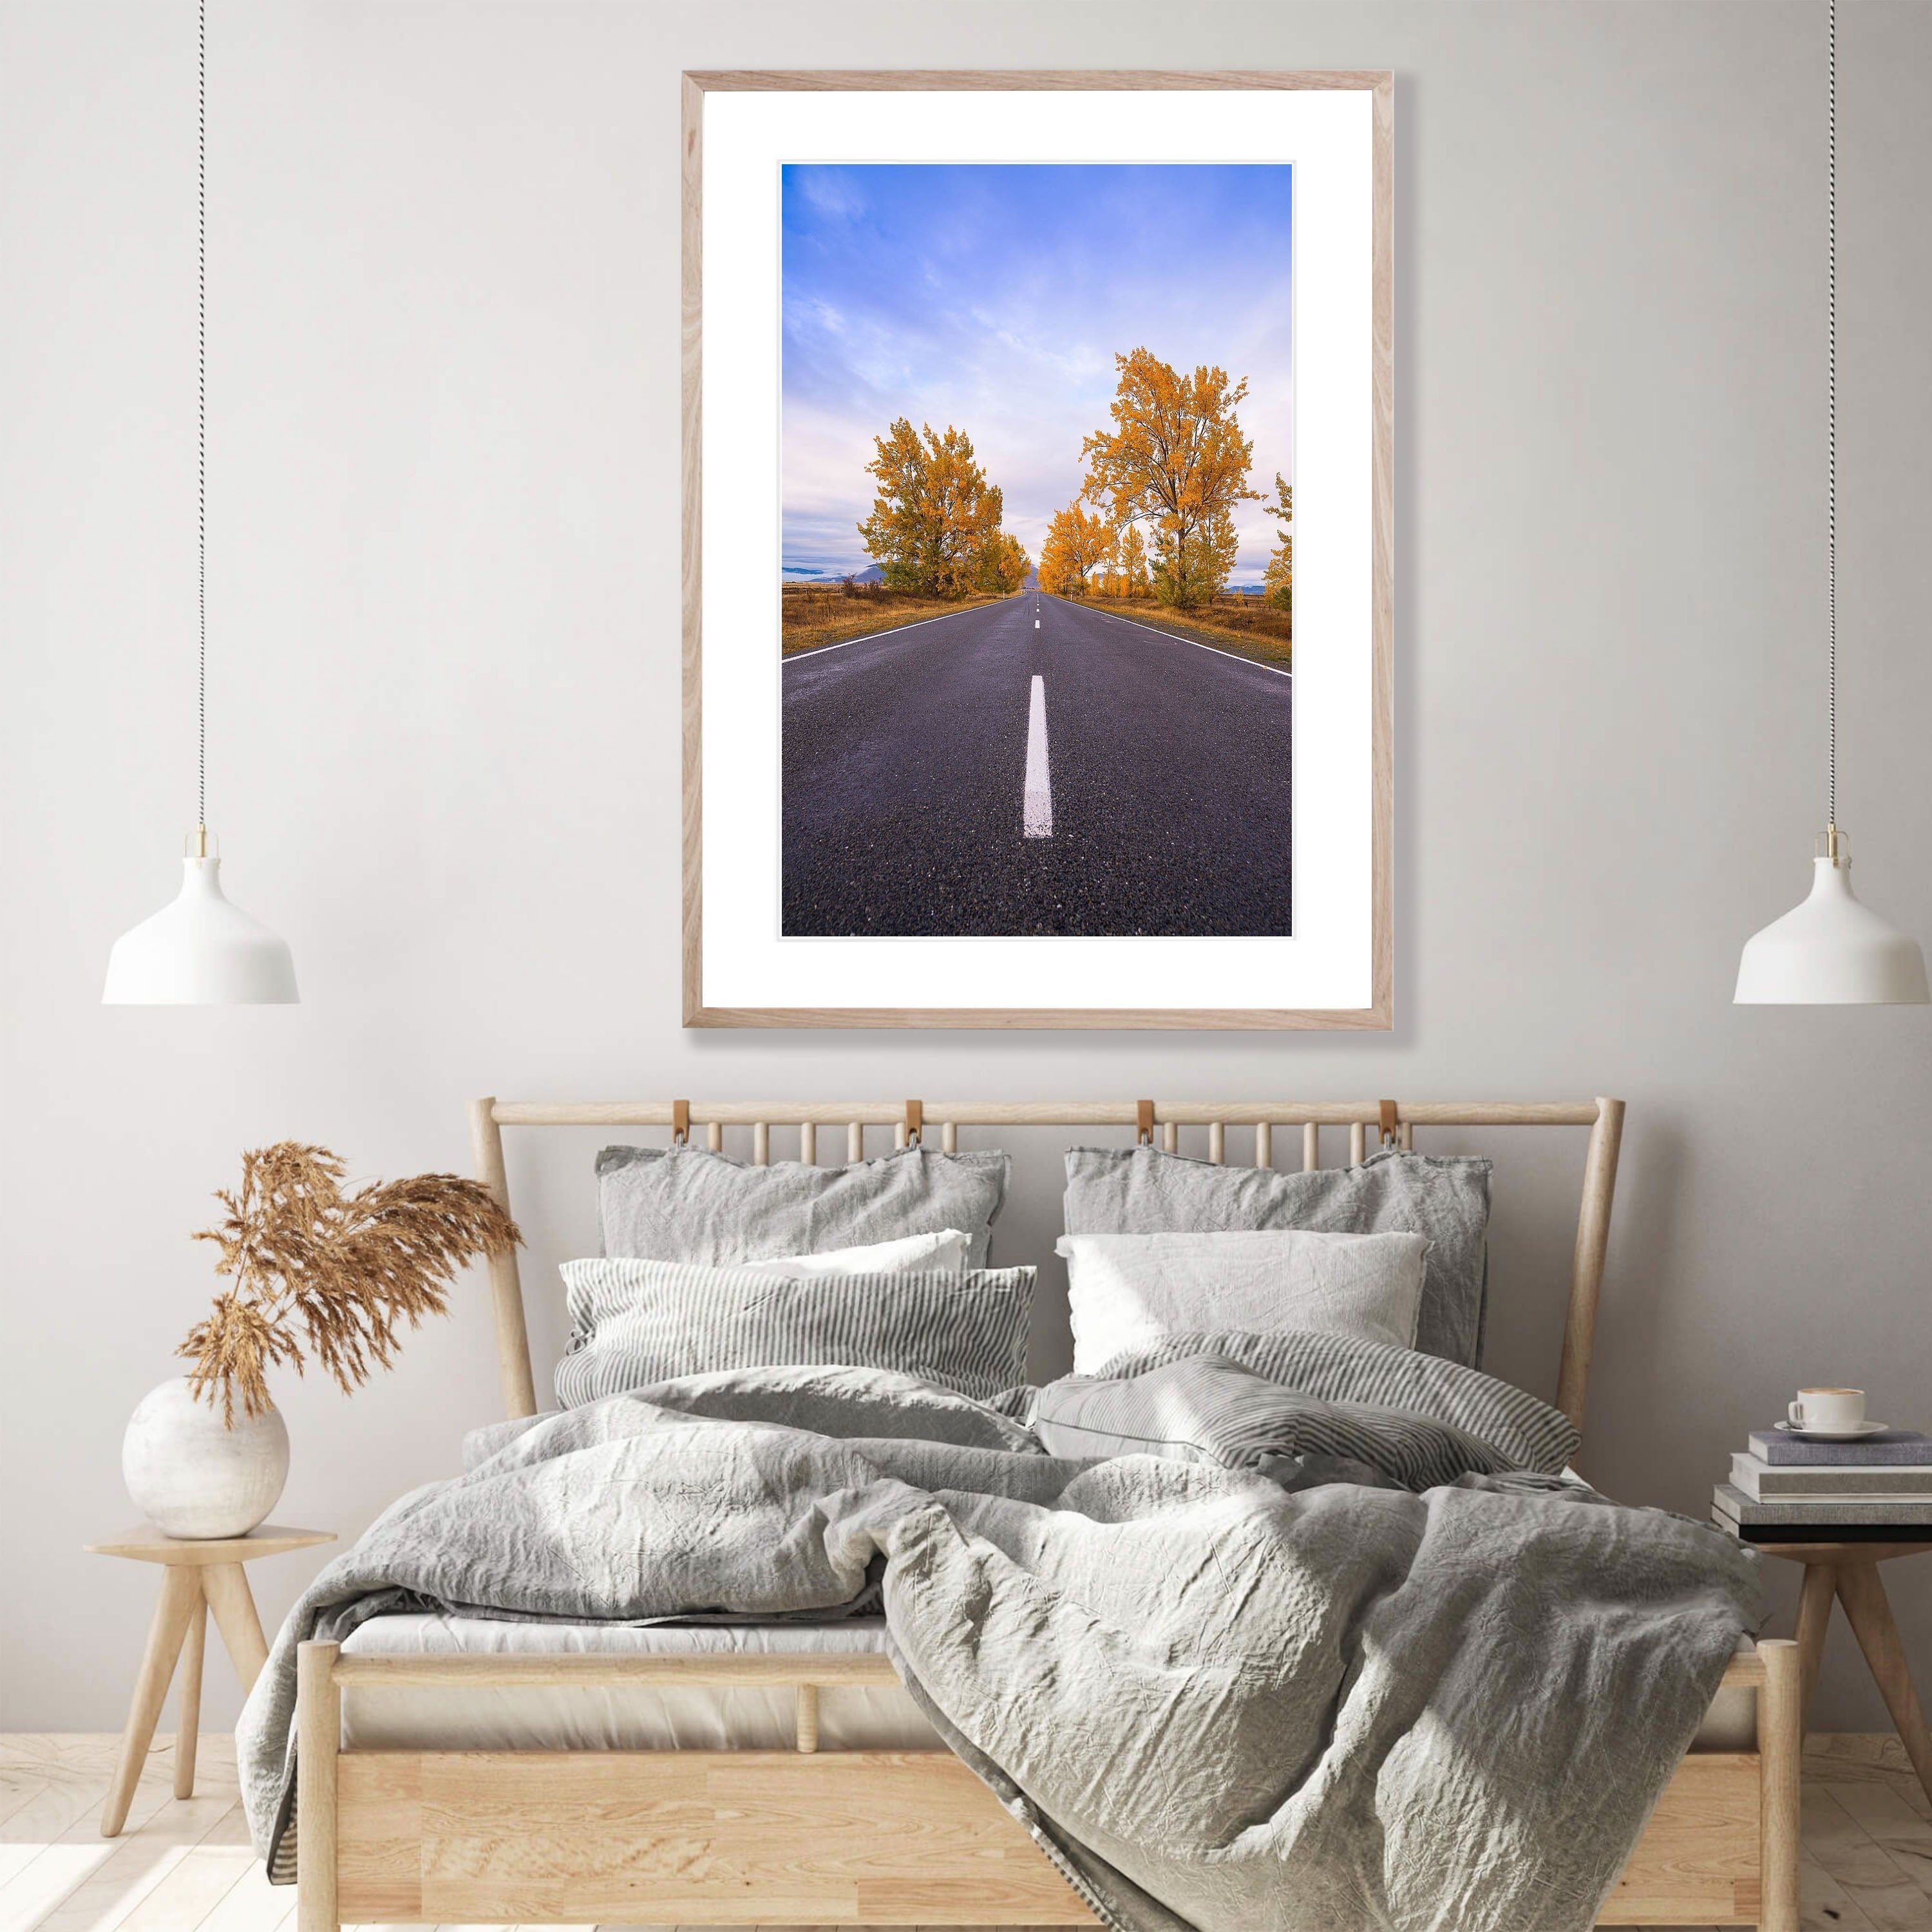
(200, 950)
(1832, 951)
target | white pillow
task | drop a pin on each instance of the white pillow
(1128, 1290)
(943, 1253)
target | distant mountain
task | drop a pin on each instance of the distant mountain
(815, 573)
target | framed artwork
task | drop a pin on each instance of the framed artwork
(1037, 550)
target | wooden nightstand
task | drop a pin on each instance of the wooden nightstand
(199, 1577)
(1845, 1570)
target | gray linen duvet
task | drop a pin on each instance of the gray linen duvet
(1218, 1698)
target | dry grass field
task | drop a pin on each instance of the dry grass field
(1245, 625)
(815, 615)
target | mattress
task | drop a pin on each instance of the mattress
(633, 1717)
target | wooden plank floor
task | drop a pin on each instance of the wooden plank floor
(184, 1866)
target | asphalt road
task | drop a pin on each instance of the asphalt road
(922, 795)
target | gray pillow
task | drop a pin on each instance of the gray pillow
(1382, 1389)
(1143, 1191)
(633, 1323)
(1209, 1409)
(686, 1203)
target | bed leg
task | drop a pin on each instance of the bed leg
(1780, 1746)
(318, 1739)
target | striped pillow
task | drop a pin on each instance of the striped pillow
(636, 1322)
(1206, 1408)
(1525, 1433)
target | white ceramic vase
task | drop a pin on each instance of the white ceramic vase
(191, 1476)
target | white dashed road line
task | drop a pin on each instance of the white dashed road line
(1036, 807)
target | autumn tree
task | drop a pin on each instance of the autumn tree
(1105, 574)
(1215, 546)
(1003, 565)
(1075, 544)
(1280, 576)
(1132, 551)
(1058, 576)
(935, 519)
(1176, 460)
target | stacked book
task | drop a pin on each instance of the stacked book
(1787, 1489)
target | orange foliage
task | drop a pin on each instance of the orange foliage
(1075, 543)
(934, 528)
(1280, 575)
(1176, 460)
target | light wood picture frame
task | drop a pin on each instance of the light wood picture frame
(1333, 967)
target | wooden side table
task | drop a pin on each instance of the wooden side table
(1846, 1572)
(198, 1577)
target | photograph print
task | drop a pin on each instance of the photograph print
(1037, 477)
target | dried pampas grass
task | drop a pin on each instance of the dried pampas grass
(337, 1272)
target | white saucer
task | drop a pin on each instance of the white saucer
(1854, 1435)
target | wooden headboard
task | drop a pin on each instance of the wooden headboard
(1394, 1122)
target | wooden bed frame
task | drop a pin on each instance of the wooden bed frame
(750, 1837)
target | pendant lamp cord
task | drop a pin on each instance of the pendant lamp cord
(201, 416)
(1832, 404)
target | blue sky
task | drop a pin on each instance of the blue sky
(995, 299)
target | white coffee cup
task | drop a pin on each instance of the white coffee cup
(1830, 1411)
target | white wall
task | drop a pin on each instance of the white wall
(443, 501)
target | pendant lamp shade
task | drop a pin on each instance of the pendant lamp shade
(200, 950)
(1832, 951)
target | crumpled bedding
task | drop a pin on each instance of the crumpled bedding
(1217, 1698)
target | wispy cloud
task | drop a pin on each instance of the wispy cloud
(832, 193)
(995, 299)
